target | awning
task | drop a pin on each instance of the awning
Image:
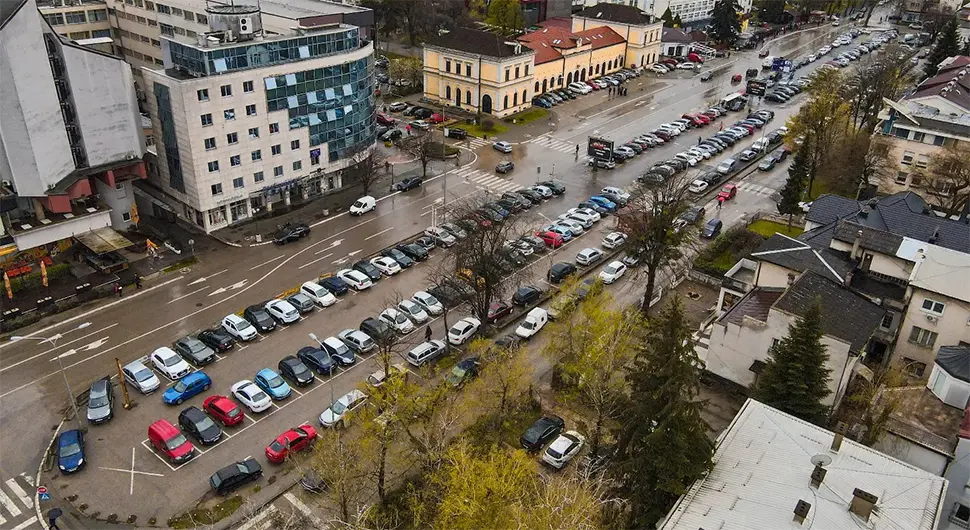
(103, 240)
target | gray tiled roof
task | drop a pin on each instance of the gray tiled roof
(955, 360)
(845, 315)
(830, 208)
(876, 288)
(869, 238)
(798, 256)
(623, 14)
(478, 42)
(755, 304)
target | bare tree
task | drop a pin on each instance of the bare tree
(367, 167)
(947, 179)
(344, 463)
(423, 148)
(858, 160)
(874, 79)
(429, 422)
(504, 378)
(650, 221)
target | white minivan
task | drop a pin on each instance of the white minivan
(320, 295)
(533, 323)
(363, 205)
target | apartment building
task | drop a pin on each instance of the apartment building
(245, 118)
(936, 115)
(83, 21)
(70, 136)
(694, 13)
(640, 30)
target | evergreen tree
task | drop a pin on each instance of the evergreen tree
(678, 22)
(795, 379)
(726, 23)
(791, 194)
(947, 45)
(966, 47)
(668, 18)
(662, 445)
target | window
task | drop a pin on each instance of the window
(149, 5)
(253, 133)
(276, 149)
(294, 144)
(217, 189)
(922, 337)
(938, 140)
(234, 160)
(916, 181)
(315, 161)
(468, 97)
(179, 30)
(526, 69)
(188, 15)
(79, 35)
(201, 19)
(448, 93)
(258, 176)
(257, 155)
(126, 216)
(907, 157)
(97, 15)
(237, 183)
(278, 171)
(516, 72)
(515, 99)
(250, 110)
(232, 138)
(210, 143)
(960, 514)
(167, 30)
(206, 120)
(932, 306)
(774, 344)
(226, 90)
(508, 72)
(468, 69)
(915, 368)
(75, 17)
(922, 161)
(505, 102)
(901, 178)
(247, 86)
(158, 44)
(297, 165)
(918, 136)
(887, 320)
(447, 66)
(213, 166)
(274, 128)
(55, 19)
(101, 33)
(230, 114)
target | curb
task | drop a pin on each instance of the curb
(40, 469)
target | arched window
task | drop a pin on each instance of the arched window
(544, 86)
(537, 87)
(457, 97)
(582, 75)
(515, 99)
(468, 97)
(448, 93)
(505, 102)
(597, 69)
(525, 96)
(569, 78)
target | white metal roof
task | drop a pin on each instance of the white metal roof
(763, 468)
(943, 271)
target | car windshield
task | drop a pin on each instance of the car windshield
(400, 318)
(197, 347)
(338, 408)
(243, 325)
(553, 453)
(299, 368)
(609, 269)
(431, 300)
(458, 372)
(179, 387)
(175, 442)
(70, 449)
(259, 396)
(359, 204)
(529, 324)
(204, 424)
(277, 446)
(143, 375)
(172, 361)
(274, 382)
(98, 402)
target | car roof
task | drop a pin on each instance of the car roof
(68, 437)
(266, 372)
(192, 413)
(196, 375)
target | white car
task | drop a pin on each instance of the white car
(318, 293)
(566, 446)
(357, 340)
(545, 191)
(617, 191)
(698, 152)
(386, 265)
(588, 256)
(424, 352)
(251, 396)
(428, 302)
(378, 378)
(397, 320)
(504, 147)
(347, 403)
(139, 376)
(283, 311)
(612, 272)
(170, 363)
(687, 66)
(239, 327)
(658, 69)
(532, 323)
(413, 311)
(687, 157)
(613, 240)
(593, 214)
(573, 226)
(584, 220)
(463, 330)
(698, 186)
(582, 88)
(356, 279)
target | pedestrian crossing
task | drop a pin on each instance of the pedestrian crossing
(17, 503)
(287, 511)
(487, 181)
(553, 143)
(755, 189)
(476, 142)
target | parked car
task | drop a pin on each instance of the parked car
(336, 413)
(566, 446)
(367, 268)
(318, 294)
(540, 432)
(462, 330)
(464, 371)
(187, 387)
(526, 295)
(218, 339)
(428, 302)
(317, 359)
(589, 256)
(235, 476)
(357, 340)
(293, 440)
(222, 409)
(425, 352)
(612, 272)
(251, 396)
(259, 318)
(401, 258)
(139, 376)
(169, 441)
(334, 284)
(100, 401)
(408, 183)
(271, 383)
(712, 229)
(613, 240)
(194, 350)
(560, 271)
(169, 363)
(533, 322)
(196, 423)
(70, 451)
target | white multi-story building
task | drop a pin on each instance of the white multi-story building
(689, 10)
(244, 118)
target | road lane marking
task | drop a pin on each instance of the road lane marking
(26, 524)
(258, 518)
(187, 295)
(267, 262)
(314, 261)
(20, 493)
(298, 504)
(9, 505)
(82, 337)
(379, 233)
(204, 278)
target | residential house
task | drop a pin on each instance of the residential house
(641, 30)
(675, 42)
(774, 471)
(956, 503)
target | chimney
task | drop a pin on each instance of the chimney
(855, 245)
(839, 435)
(862, 504)
(801, 511)
(818, 476)
(935, 237)
(791, 279)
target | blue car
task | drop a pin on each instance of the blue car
(272, 384)
(70, 451)
(561, 230)
(603, 202)
(539, 102)
(186, 387)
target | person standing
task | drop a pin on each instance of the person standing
(427, 333)
(137, 282)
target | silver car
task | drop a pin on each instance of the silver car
(139, 376)
(100, 401)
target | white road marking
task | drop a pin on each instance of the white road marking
(299, 505)
(204, 278)
(187, 295)
(267, 262)
(7, 503)
(28, 479)
(258, 518)
(314, 261)
(26, 524)
(379, 233)
(20, 493)
(31, 358)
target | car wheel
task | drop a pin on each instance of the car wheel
(206, 387)
(178, 401)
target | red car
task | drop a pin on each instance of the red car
(498, 310)
(695, 119)
(592, 85)
(384, 119)
(222, 409)
(727, 192)
(736, 78)
(436, 118)
(551, 239)
(295, 439)
(747, 126)
(670, 61)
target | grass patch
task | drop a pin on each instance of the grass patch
(201, 516)
(527, 116)
(818, 188)
(718, 257)
(477, 130)
(191, 260)
(487, 431)
(768, 228)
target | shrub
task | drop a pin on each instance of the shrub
(718, 257)
(488, 125)
(21, 321)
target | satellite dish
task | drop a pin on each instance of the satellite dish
(821, 460)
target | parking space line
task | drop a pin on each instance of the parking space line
(241, 348)
(148, 447)
(292, 389)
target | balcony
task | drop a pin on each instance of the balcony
(740, 277)
(89, 214)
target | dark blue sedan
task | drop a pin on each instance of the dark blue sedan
(335, 285)
(603, 202)
(70, 451)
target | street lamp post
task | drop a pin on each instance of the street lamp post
(53, 341)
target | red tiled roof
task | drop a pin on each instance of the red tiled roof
(557, 22)
(958, 92)
(547, 41)
(601, 37)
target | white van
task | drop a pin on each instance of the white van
(533, 323)
(363, 205)
(320, 295)
(769, 60)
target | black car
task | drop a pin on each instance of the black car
(334, 284)
(532, 195)
(376, 329)
(197, 423)
(489, 214)
(651, 177)
(409, 183)
(260, 318)
(291, 232)
(664, 170)
(510, 205)
(413, 251)
(508, 341)
(391, 135)
(536, 242)
(236, 475)
(676, 163)
(595, 207)
(369, 269)
(521, 200)
(295, 370)
(526, 295)
(560, 271)
(194, 351)
(542, 431)
(425, 242)
(312, 481)
(455, 230)
(457, 133)
(446, 294)
(423, 113)
(693, 214)
(557, 188)
(411, 111)
(497, 208)
(504, 167)
(620, 201)
(217, 339)
(401, 258)
(315, 359)
(710, 177)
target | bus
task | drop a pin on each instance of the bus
(735, 101)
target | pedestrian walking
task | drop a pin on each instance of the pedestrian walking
(484, 137)
(118, 289)
(427, 333)
(408, 129)
(52, 516)
(577, 151)
(137, 282)
(720, 202)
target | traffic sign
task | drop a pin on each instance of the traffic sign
(43, 493)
